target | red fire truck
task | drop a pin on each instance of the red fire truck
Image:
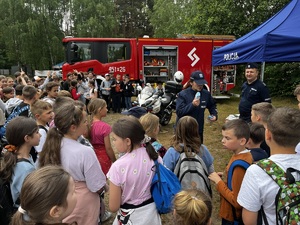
(151, 59)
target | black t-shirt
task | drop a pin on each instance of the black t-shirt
(118, 87)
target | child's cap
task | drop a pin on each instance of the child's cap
(135, 111)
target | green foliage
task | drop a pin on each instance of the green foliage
(231, 17)
(133, 18)
(93, 18)
(211, 16)
(173, 21)
(282, 78)
(31, 30)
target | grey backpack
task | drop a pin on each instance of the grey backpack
(192, 173)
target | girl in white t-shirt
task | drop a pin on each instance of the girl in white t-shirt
(131, 175)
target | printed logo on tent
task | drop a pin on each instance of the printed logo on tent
(193, 56)
(231, 56)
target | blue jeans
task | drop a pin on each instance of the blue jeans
(226, 222)
(128, 104)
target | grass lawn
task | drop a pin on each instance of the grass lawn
(212, 139)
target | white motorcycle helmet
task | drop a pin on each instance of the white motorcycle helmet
(139, 88)
(178, 77)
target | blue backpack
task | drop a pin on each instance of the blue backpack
(165, 185)
(237, 163)
(16, 112)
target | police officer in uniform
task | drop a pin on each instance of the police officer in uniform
(253, 91)
(188, 105)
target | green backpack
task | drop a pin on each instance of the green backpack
(288, 197)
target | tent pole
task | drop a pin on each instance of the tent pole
(262, 72)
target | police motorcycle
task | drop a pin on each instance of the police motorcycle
(162, 104)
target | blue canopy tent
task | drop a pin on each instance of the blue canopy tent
(276, 40)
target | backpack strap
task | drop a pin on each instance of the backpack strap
(237, 163)
(234, 164)
(271, 168)
(42, 127)
(20, 110)
(261, 217)
(158, 175)
(278, 175)
(274, 171)
(16, 111)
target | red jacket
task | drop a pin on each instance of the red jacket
(74, 94)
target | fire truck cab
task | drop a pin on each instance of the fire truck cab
(151, 59)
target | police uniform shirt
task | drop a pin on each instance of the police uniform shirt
(252, 93)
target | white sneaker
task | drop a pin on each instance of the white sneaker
(106, 216)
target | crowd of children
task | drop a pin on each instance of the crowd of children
(58, 136)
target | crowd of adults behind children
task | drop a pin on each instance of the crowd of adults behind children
(58, 131)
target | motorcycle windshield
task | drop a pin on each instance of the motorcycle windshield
(146, 92)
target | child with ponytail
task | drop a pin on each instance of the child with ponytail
(62, 148)
(99, 133)
(22, 134)
(131, 175)
(150, 123)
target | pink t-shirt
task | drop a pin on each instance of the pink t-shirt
(99, 131)
(132, 172)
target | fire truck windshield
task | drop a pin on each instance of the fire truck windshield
(104, 52)
(79, 52)
(116, 52)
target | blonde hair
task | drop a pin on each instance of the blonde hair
(263, 109)
(96, 104)
(150, 122)
(2, 77)
(93, 109)
(64, 93)
(192, 207)
(39, 106)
